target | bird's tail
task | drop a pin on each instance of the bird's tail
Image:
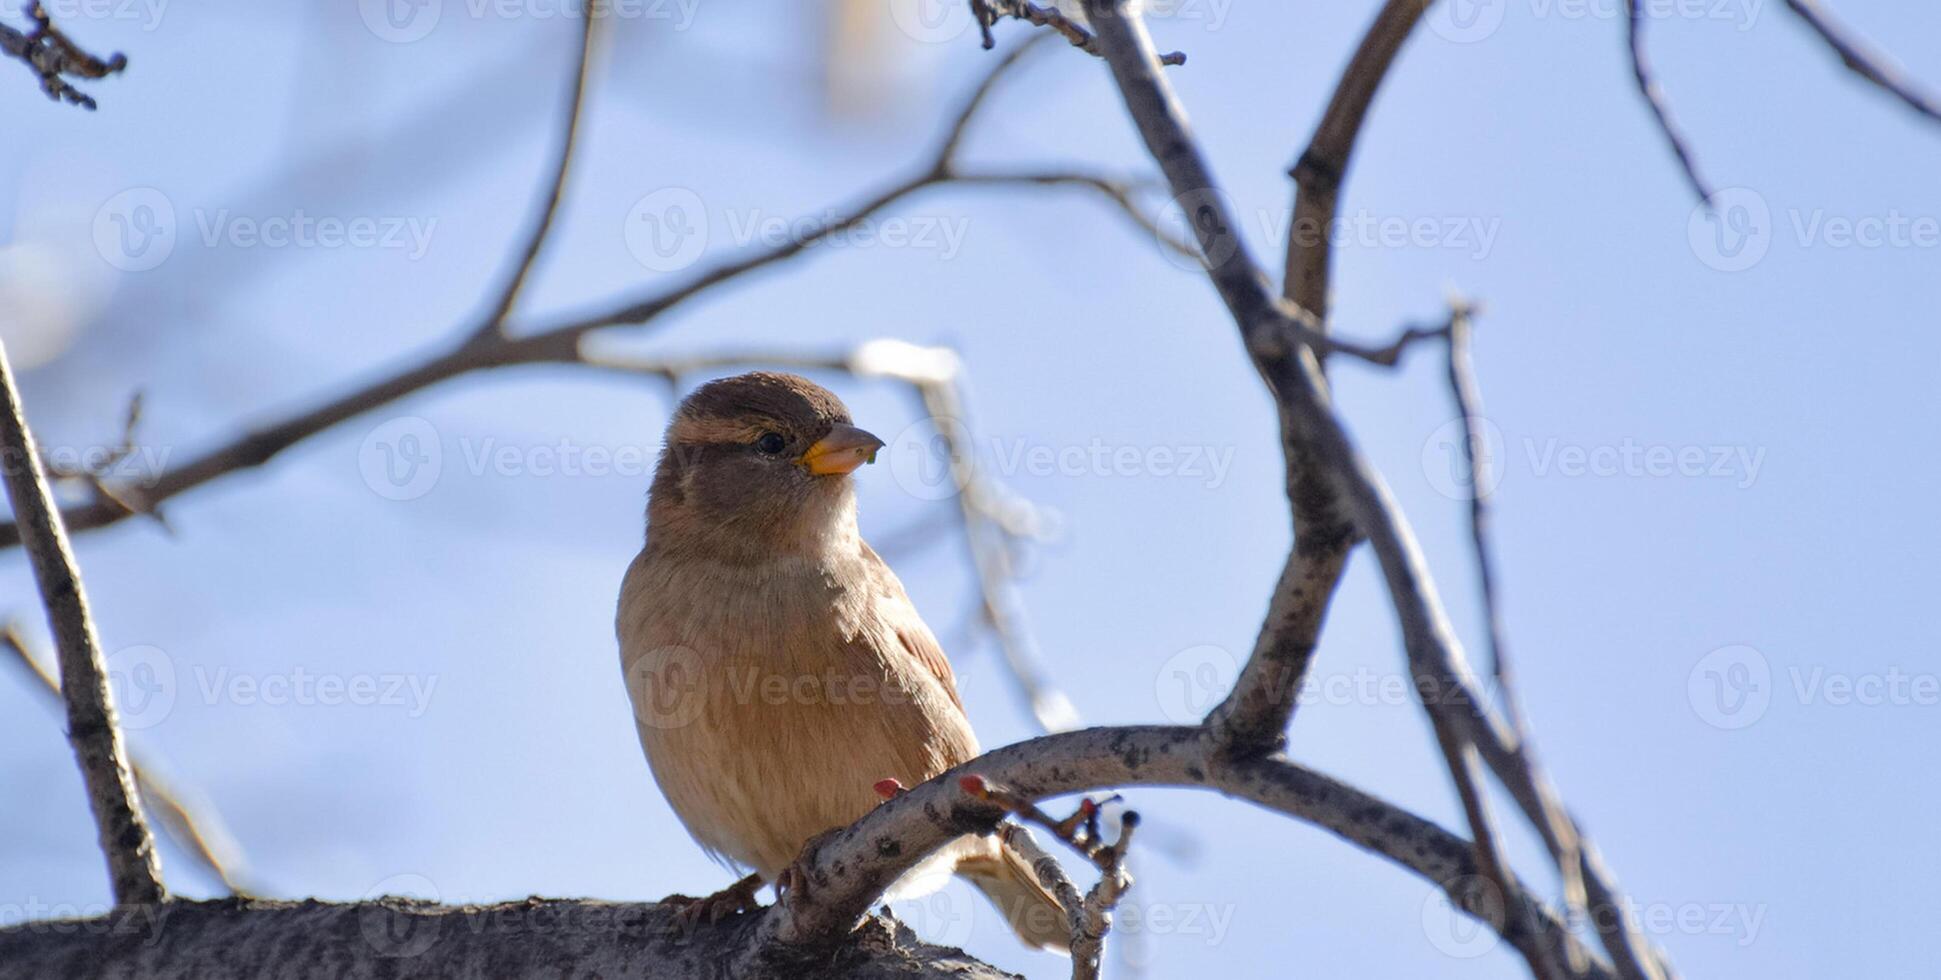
(1006, 878)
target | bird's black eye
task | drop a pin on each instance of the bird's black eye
(770, 443)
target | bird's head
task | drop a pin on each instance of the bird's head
(757, 466)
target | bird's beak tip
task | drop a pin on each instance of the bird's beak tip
(845, 448)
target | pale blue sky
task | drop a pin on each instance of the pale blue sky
(1694, 460)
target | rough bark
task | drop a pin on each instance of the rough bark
(394, 937)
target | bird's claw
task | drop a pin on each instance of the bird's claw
(691, 913)
(795, 877)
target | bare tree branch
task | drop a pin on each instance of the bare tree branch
(50, 54)
(203, 835)
(1654, 98)
(559, 344)
(1551, 820)
(494, 321)
(852, 866)
(1323, 167)
(1863, 60)
(983, 511)
(133, 869)
(1435, 657)
(1255, 715)
(1089, 915)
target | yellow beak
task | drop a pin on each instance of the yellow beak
(841, 451)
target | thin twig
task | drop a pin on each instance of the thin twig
(988, 12)
(199, 830)
(1864, 60)
(989, 535)
(1654, 97)
(1323, 166)
(133, 868)
(508, 296)
(1460, 757)
(1548, 815)
(960, 124)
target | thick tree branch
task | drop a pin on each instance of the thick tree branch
(394, 937)
(850, 868)
(129, 848)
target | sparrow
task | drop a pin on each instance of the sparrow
(778, 671)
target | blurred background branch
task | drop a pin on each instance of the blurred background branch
(51, 55)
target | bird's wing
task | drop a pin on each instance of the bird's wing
(895, 605)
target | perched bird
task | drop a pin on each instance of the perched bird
(777, 669)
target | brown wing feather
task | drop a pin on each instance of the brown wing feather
(911, 629)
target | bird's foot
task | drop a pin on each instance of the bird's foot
(735, 899)
(795, 877)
